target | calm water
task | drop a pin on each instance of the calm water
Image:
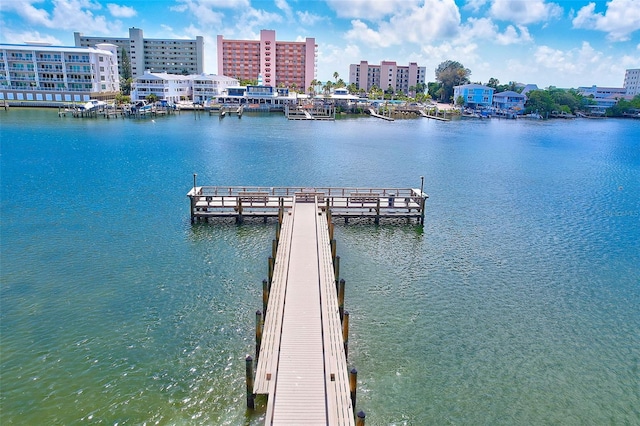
(518, 303)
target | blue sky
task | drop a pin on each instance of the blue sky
(562, 43)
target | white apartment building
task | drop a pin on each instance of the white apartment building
(632, 82)
(173, 56)
(176, 87)
(209, 86)
(387, 74)
(168, 87)
(40, 72)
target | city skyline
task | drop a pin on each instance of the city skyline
(560, 43)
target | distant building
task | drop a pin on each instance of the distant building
(173, 56)
(38, 72)
(509, 101)
(474, 95)
(387, 74)
(271, 62)
(206, 87)
(177, 87)
(605, 97)
(632, 82)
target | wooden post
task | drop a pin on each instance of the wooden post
(258, 333)
(345, 333)
(336, 270)
(330, 225)
(333, 249)
(265, 296)
(239, 216)
(278, 227)
(353, 381)
(360, 418)
(377, 219)
(249, 376)
(341, 298)
(274, 248)
(271, 266)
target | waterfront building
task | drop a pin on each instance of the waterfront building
(40, 72)
(474, 95)
(509, 101)
(387, 74)
(173, 56)
(632, 82)
(263, 98)
(604, 97)
(209, 86)
(176, 87)
(271, 62)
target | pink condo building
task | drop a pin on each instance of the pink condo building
(271, 62)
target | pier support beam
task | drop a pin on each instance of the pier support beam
(341, 299)
(353, 382)
(249, 376)
(345, 333)
(258, 333)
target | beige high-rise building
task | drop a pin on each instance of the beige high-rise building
(271, 62)
(173, 56)
(387, 74)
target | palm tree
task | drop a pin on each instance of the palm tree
(327, 87)
(314, 83)
(335, 76)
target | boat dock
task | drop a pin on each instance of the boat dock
(373, 113)
(302, 338)
(240, 203)
(301, 360)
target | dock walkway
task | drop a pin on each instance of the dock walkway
(302, 363)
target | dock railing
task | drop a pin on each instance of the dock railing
(344, 202)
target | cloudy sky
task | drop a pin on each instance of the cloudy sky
(561, 43)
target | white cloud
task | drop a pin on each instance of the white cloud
(71, 15)
(371, 9)
(27, 11)
(621, 18)
(254, 20)
(435, 19)
(121, 11)
(28, 36)
(309, 19)
(524, 12)
(284, 7)
(475, 5)
(486, 29)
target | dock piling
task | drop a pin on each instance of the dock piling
(353, 381)
(265, 296)
(345, 333)
(341, 298)
(249, 376)
(360, 418)
(258, 333)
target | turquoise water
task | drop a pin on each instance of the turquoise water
(518, 303)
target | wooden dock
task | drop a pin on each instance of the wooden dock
(302, 362)
(240, 203)
(302, 338)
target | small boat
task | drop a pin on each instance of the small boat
(93, 104)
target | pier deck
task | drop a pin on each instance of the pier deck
(302, 363)
(208, 202)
